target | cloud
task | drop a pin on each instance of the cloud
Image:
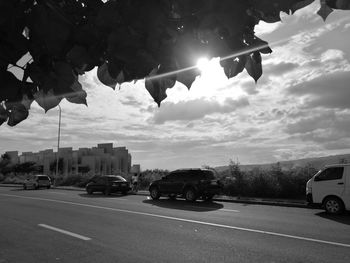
(196, 109)
(329, 91)
(310, 124)
(278, 69)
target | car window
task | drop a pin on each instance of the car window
(116, 178)
(331, 173)
(43, 177)
(100, 180)
(172, 176)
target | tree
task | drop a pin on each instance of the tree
(60, 165)
(236, 173)
(5, 160)
(159, 40)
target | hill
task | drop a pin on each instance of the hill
(316, 162)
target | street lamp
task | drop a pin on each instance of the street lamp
(58, 138)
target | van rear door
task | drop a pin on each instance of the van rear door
(331, 181)
(346, 197)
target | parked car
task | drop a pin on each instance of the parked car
(188, 183)
(108, 184)
(37, 181)
(330, 187)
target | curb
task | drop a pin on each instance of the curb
(218, 199)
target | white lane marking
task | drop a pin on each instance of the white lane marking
(187, 220)
(229, 210)
(65, 232)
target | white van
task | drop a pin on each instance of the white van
(331, 188)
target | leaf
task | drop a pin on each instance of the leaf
(260, 45)
(79, 58)
(253, 65)
(78, 95)
(47, 100)
(324, 11)
(13, 47)
(10, 86)
(233, 67)
(105, 77)
(17, 113)
(48, 29)
(158, 84)
(26, 101)
(3, 114)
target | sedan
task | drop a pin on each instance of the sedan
(108, 184)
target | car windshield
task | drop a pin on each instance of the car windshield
(114, 178)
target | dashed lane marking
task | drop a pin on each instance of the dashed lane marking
(65, 232)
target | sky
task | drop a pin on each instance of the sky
(299, 108)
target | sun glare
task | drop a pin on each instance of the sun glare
(203, 64)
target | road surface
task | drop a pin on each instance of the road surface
(52, 225)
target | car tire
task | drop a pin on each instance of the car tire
(333, 205)
(190, 195)
(172, 196)
(24, 187)
(89, 191)
(36, 187)
(48, 187)
(154, 193)
(107, 191)
(208, 197)
(124, 193)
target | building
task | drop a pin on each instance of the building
(100, 160)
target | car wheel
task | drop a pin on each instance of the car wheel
(154, 192)
(124, 193)
(190, 195)
(172, 196)
(89, 191)
(333, 205)
(36, 187)
(208, 197)
(24, 187)
(48, 187)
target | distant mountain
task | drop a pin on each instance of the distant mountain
(317, 162)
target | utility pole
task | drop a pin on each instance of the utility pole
(58, 138)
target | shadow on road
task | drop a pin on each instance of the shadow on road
(343, 218)
(199, 206)
(101, 195)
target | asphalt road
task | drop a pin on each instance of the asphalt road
(71, 226)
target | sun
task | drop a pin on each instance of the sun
(212, 76)
(203, 64)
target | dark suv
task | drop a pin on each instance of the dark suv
(188, 183)
(107, 184)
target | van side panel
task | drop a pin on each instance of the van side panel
(346, 197)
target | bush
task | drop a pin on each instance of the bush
(72, 180)
(274, 182)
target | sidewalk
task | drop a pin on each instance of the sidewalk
(218, 198)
